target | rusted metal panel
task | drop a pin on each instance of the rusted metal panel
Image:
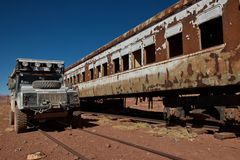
(150, 22)
(217, 66)
(211, 67)
(231, 23)
(157, 30)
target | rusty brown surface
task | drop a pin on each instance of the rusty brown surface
(150, 22)
(216, 66)
(211, 67)
(191, 37)
(161, 53)
(231, 23)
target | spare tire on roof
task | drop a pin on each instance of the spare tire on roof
(46, 84)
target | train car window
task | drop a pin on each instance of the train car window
(83, 77)
(125, 62)
(175, 45)
(78, 78)
(137, 58)
(211, 33)
(116, 65)
(150, 54)
(104, 69)
(74, 79)
(91, 74)
(98, 71)
(239, 6)
(68, 81)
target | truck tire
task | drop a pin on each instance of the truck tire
(20, 121)
(11, 117)
(75, 120)
(46, 84)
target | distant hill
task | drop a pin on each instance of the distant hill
(4, 98)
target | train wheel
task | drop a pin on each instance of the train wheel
(174, 116)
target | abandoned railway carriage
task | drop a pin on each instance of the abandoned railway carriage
(189, 54)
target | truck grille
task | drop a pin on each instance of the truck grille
(53, 98)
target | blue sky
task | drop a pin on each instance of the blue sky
(65, 29)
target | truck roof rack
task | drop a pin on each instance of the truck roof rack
(39, 61)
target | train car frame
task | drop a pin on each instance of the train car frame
(189, 54)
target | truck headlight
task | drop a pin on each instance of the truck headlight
(49, 65)
(25, 64)
(60, 65)
(29, 99)
(37, 64)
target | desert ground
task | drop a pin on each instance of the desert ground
(176, 141)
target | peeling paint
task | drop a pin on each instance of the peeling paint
(195, 68)
(195, 8)
(174, 74)
(164, 45)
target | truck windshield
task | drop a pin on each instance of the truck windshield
(27, 78)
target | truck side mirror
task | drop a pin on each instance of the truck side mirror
(11, 83)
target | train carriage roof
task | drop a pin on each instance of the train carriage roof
(148, 23)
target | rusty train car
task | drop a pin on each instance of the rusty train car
(189, 54)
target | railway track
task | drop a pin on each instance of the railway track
(162, 154)
(82, 157)
(134, 118)
(66, 147)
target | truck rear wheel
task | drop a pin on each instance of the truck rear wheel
(11, 117)
(20, 121)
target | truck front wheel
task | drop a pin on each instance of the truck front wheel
(74, 119)
(20, 121)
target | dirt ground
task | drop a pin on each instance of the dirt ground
(177, 141)
(143, 104)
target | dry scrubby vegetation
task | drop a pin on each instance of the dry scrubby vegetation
(155, 130)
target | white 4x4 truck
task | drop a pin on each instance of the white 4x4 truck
(38, 92)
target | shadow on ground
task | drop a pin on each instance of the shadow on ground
(60, 125)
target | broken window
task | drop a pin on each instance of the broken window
(116, 65)
(125, 62)
(74, 79)
(175, 45)
(68, 81)
(150, 54)
(137, 58)
(78, 78)
(98, 71)
(83, 77)
(211, 33)
(91, 74)
(104, 69)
